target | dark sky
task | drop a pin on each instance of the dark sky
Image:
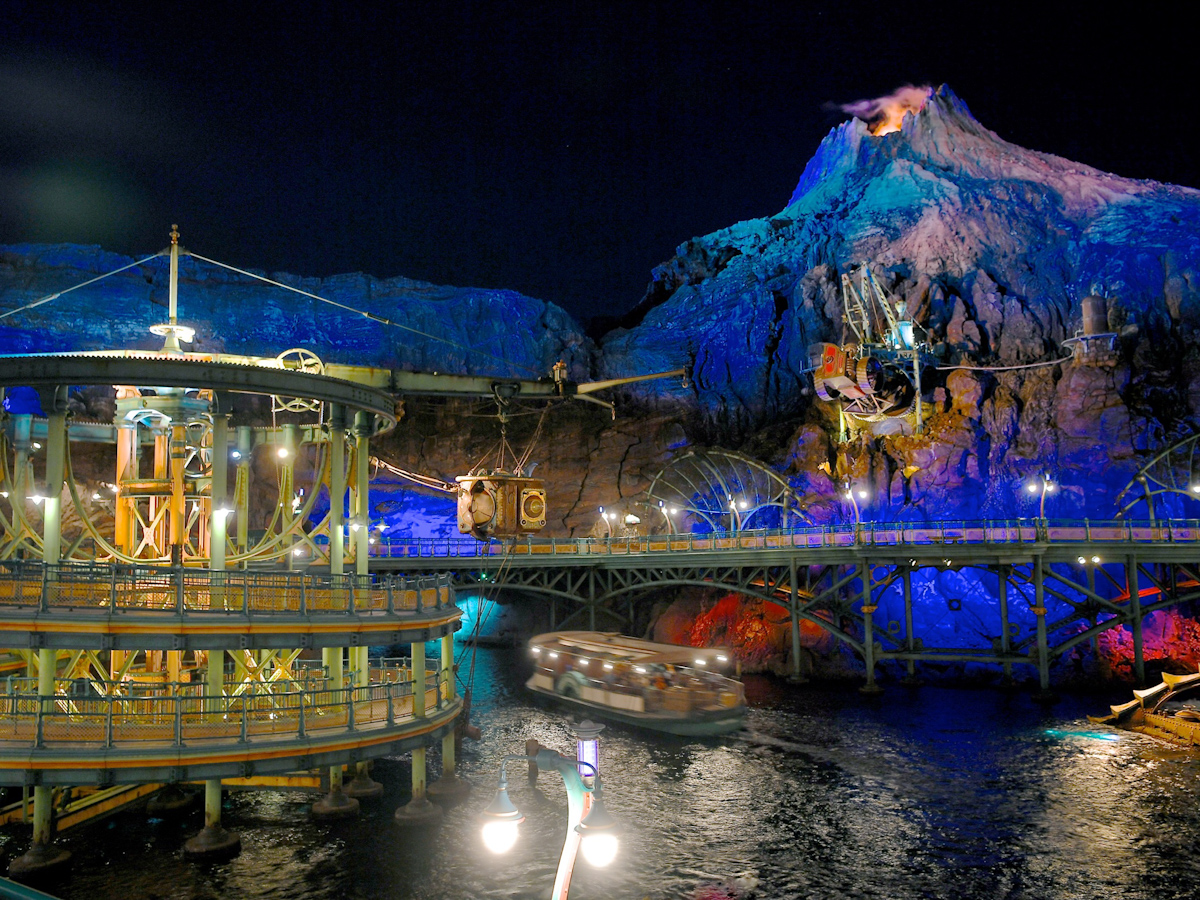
(561, 150)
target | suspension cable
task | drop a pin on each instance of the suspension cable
(56, 295)
(362, 312)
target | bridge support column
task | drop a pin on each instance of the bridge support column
(797, 676)
(910, 643)
(1005, 636)
(449, 786)
(213, 841)
(418, 810)
(1135, 618)
(336, 804)
(1043, 645)
(868, 609)
(42, 855)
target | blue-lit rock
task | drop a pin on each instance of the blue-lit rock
(993, 247)
(445, 329)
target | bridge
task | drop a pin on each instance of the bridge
(1010, 593)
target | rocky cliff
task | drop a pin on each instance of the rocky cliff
(991, 246)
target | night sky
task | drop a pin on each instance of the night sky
(562, 152)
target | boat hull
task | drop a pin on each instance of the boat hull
(698, 723)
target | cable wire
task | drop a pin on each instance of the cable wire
(55, 296)
(1051, 362)
(361, 312)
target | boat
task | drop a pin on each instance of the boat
(663, 687)
(1169, 711)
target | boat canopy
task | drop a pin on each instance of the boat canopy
(618, 646)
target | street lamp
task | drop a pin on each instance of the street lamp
(607, 517)
(854, 495)
(590, 828)
(1042, 486)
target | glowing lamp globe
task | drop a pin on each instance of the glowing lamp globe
(599, 833)
(501, 820)
(500, 835)
(599, 849)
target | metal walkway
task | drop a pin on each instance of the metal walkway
(993, 593)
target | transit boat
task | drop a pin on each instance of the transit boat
(664, 687)
(1169, 711)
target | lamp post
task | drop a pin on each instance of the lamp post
(1042, 486)
(667, 512)
(854, 494)
(607, 517)
(589, 826)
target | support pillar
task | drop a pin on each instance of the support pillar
(910, 640)
(241, 490)
(1135, 619)
(1043, 646)
(868, 609)
(42, 854)
(418, 811)
(213, 841)
(797, 676)
(449, 786)
(336, 804)
(1005, 636)
(362, 785)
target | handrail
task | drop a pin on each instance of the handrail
(76, 725)
(119, 588)
(1022, 531)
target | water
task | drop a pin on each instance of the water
(927, 793)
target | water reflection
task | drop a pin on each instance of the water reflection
(926, 793)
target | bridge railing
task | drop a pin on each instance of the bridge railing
(185, 591)
(85, 724)
(884, 534)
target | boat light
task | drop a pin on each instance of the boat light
(535, 650)
(639, 670)
(608, 667)
(583, 661)
(701, 662)
(722, 659)
(553, 655)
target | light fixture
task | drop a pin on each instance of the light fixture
(501, 820)
(862, 495)
(282, 452)
(1032, 488)
(37, 498)
(1082, 560)
(299, 551)
(37, 446)
(1095, 559)
(598, 829)
(235, 454)
(95, 495)
(702, 662)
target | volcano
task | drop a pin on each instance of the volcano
(991, 248)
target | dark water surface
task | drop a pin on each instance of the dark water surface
(920, 793)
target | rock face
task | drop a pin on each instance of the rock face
(438, 328)
(993, 248)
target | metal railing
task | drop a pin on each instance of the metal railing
(185, 591)
(890, 534)
(191, 717)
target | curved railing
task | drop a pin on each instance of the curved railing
(1023, 531)
(79, 723)
(186, 591)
